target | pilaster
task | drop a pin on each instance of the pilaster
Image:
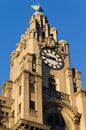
(69, 85)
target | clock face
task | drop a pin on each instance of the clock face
(52, 59)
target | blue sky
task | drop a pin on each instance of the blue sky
(68, 16)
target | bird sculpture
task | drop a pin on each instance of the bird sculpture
(37, 8)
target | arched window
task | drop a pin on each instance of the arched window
(56, 121)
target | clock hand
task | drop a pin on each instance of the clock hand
(49, 57)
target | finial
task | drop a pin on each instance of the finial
(37, 7)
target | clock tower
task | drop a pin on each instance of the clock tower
(44, 92)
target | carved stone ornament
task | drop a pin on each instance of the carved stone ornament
(77, 118)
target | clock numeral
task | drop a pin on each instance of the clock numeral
(43, 57)
(60, 63)
(50, 65)
(54, 66)
(45, 61)
(58, 66)
(42, 53)
(57, 60)
(49, 51)
(45, 51)
(60, 60)
(57, 56)
(53, 52)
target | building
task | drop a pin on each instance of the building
(43, 92)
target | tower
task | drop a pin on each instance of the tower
(44, 92)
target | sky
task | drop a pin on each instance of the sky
(68, 16)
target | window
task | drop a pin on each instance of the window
(13, 113)
(27, 127)
(73, 73)
(4, 102)
(32, 128)
(51, 35)
(74, 80)
(7, 113)
(20, 90)
(31, 83)
(75, 87)
(34, 62)
(37, 128)
(31, 79)
(37, 25)
(32, 89)
(51, 82)
(43, 34)
(19, 107)
(32, 105)
(2, 112)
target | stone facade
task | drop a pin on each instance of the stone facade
(38, 97)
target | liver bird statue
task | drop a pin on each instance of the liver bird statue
(37, 8)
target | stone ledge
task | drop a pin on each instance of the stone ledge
(27, 125)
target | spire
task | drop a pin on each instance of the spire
(37, 8)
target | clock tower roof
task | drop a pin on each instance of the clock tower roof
(40, 27)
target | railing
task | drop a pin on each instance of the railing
(55, 94)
